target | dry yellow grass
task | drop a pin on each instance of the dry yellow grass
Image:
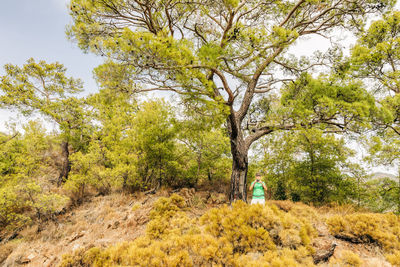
(105, 221)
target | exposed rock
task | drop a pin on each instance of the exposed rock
(23, 260)
(115, 225)
(324, 255)
(77, 236)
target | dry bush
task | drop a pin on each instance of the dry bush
(256, 227)
(394, 258)
(297, 209)
(284, 257)
(135, 207)
(75, 259)
(223, 236)
(29, 233)
(340, 209)
(347, 259)
(198, 202)
(383, 229)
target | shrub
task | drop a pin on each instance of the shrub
(347, 259)
(384, 229)
(285, 257)
(223, 236)
(254, 227)
(167, 217)
(24, 164)
(11, 209)
(394, 258)
(20, 204)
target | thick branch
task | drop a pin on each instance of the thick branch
(248, 96)
(225, 84)
(292, 12)
(260, 132)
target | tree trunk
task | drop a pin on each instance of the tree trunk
(239, 152)
(239, 179)
(66, 165)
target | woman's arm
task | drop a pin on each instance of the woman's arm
(265, 187)
(252, 185)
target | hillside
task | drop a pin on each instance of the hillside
(197, 228)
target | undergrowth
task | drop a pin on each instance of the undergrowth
(347, 259)
(381, 229)
(240, 235)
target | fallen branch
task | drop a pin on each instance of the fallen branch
(152, 191)
(356, 240)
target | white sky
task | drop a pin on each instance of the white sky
(36, 28)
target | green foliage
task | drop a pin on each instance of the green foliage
(223, 236)
(280, 193)
(375, 58)
(381, 195)
(309, 164)
(328, 100)
(320, 175)
(206, 145)
(44, 88)
(155, 133)
(39, 87)
(12, 209)
(20, 90)
(140, 146)
(23, 194)
(376, 54)
(89, 170)
(133, 147)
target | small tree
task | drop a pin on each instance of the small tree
(45, 88)
(23, 193)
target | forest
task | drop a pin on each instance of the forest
(198, 97)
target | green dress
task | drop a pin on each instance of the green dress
(258, 191)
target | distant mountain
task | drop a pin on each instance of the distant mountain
(377, 175)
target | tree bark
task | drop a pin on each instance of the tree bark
(239, 179)
(239, 152)
(66, 165)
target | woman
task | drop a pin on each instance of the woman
(259, 188)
